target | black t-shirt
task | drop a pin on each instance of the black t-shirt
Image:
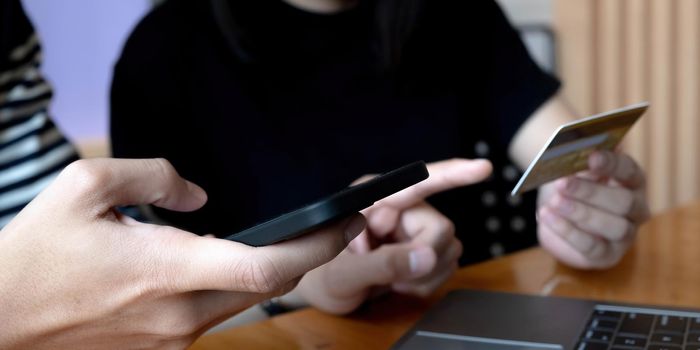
(315, 110)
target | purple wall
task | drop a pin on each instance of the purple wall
(82, 40)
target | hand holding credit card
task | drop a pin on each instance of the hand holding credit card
(569, 148)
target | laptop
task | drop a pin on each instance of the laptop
(481, 320)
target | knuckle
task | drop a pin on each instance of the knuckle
(571, 208)
(440, 229)
(163, 165)
(446, 226)
(85, 176)
(583, 189)
(556, 223)
(165, 171)
(164, 168)
(582, 214)
(259, 275)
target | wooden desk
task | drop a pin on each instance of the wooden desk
(662, 268)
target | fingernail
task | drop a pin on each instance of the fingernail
(599, 160)
(355, 227)
(196, 191)
(545, 216)
(421, 261)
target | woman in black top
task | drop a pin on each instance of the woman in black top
(269, 104)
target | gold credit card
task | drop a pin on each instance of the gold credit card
(569, 148)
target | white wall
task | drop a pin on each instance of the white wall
(81, 40)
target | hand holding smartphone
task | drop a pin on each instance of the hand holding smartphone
(335, 207)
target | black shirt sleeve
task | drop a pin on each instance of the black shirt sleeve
(515, 86)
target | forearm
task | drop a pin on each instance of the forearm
(532, 136)
(535, 132)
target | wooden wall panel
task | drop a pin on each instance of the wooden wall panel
(635, 67)
(688, 104)
(661, 113)
(575, 25)
(608, 55)
(616, 52)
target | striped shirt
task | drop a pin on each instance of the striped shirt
(32, 150)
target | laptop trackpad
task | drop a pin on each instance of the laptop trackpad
(474, 320)
(428, 340)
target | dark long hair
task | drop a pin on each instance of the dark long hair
(395, 22)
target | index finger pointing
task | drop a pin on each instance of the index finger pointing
(444, 175)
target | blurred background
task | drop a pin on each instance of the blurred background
(608, 53)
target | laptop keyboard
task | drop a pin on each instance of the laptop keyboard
(618, 328)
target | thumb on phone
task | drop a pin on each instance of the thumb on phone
(217, 264)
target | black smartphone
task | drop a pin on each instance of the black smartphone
(335, 207)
